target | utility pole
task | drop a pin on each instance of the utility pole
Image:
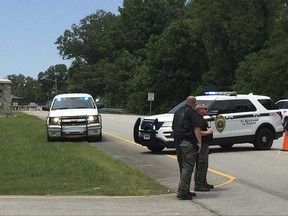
(55, 85)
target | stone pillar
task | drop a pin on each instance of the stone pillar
(5, 97)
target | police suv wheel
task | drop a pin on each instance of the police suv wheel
(136, 130)
(157, 148)
(263, 139)
(285, 121)
(226, 147)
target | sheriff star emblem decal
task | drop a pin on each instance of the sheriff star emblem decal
(220, 123)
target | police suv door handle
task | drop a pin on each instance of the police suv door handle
(256, 115)
(229, 117)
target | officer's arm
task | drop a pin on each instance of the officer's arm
(197, 132)
(207, 132)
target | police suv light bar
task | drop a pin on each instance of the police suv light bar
(221, 93)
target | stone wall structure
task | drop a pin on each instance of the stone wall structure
(5, 97)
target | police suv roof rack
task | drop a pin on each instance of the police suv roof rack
(229, 93)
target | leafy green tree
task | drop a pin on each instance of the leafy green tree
(141, 19)
(229, 30)
(90, 45)
(86, 78)
(23, 87)
(173, 66)
(17, 85)
(52, 82)
(117, 77)
(139, 86)
(265, 72)
(87, 42)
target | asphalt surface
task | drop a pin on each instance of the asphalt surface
(162, 205)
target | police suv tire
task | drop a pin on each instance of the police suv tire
(157, 148)
(264, 139)
(226, 147)
(136, 130)
(285, 120)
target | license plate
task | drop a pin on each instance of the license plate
(146, 137)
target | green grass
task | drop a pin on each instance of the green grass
(32, 166)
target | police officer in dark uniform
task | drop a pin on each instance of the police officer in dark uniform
(178, 117)
(190, 146)
(200, 175)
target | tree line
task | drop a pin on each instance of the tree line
(172, 48)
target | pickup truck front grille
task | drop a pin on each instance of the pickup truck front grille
(74, 120)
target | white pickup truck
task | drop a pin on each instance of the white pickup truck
(73, 115)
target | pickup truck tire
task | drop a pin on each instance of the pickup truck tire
(263, 139)
(97, 138)
(49, 139)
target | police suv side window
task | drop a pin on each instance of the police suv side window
(222, 107)
(232, 106)
(243, 106)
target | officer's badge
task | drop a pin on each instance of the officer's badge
(220, 123)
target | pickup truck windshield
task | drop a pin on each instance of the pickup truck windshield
(73, 103)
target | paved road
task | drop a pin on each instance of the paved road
(164, 205)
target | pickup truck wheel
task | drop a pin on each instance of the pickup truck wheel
(97, 138)
(157, 148)
(49, 139)
(263, 139)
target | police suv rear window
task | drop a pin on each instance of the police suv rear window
(268, 104)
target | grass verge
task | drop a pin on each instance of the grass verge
(32, 166)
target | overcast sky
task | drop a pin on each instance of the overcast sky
(29, 29)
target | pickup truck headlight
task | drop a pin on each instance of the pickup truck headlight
(54, 121)
(167, 124)
(94, 119)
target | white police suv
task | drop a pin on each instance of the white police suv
(74, 115)
(234, 119)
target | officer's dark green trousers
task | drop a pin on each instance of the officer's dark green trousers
(188, 163)
(200, 175)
